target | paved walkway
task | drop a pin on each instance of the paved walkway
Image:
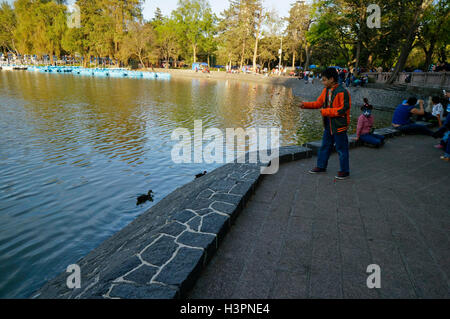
(307, 236)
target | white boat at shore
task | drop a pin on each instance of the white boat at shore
(14, 67)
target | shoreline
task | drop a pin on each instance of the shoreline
(383, 97)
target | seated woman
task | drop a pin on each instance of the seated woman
(365, 127)
(444, 133)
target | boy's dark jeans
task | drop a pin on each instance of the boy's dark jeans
(341, 141)
(414, 128)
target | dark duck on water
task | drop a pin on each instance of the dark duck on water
(144, 198)
(201, 174)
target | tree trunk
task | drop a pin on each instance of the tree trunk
(14, 47)
(293, 60)
(429, 52)
(358, 54)
(443, 53)
(242, 56)
(301, 54)
(308, 56)
(142, 62)
(195, 52)
(258, 34)
(255, 55)
(407, 45)
(406, 49)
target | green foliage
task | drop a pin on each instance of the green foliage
(321, 32)
(8, 25)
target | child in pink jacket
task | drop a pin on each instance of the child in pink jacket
(365, 124)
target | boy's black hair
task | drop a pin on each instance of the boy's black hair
(331, 73)
(436, 99)
(412, 101)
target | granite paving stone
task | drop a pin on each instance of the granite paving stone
(142, 275)
(194, 223)
(160, 251)
(173, 228)
(196, 239)
(181, 269)
(184, 216)
(214, 223)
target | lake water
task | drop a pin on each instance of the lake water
(75, 152)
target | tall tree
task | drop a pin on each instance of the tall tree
(416, 11)
(167, 40)
(194, 18)
(433, 29)
(138, 43)
(298, 24)
(8, 24)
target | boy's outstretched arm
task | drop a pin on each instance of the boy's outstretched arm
(317, 104)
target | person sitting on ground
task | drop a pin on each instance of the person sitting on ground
(364, 131)
(438, 110)
(434, 113)
(401, 119)
(446, 103)
(444, 133)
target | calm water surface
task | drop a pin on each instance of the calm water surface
(75, 152)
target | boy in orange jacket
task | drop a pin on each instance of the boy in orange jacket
(335, 103)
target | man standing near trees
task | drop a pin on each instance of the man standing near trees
(335, 103)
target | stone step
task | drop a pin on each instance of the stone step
(386, 132)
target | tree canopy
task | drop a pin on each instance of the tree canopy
(412, 34)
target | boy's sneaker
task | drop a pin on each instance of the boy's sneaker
(317, 170)
(438, 146)
(445, 158)
(342, 175)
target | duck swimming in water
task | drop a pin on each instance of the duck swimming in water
(200, 175)
(144, 198)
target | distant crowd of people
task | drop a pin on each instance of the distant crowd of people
(440, 67)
